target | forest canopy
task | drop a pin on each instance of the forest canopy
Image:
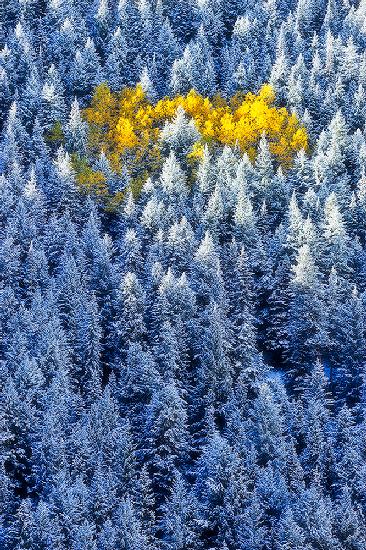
(183, 275)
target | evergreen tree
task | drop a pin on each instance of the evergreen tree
(305, 323)
(166, 439)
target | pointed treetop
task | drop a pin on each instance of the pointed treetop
(305, 272)
(172, 177)
(334, 226)
(206, 251)
(30, 188)
(167, 282)
(263, 162)
(102, 10)
(63, 163)
(147, 85)
(183, 281)
(129, 207)
(67, 26)
(75, 119)
(148, 186)
(244, 213)
(130, 283)
(131, 236)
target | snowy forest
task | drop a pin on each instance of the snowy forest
(183, 275)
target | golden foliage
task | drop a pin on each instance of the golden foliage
(128, 123)
(127, 126)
